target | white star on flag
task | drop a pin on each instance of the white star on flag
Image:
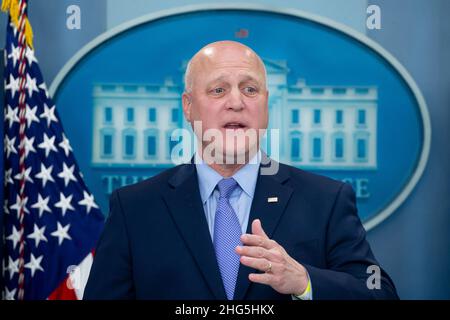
(49, 114)
(34, 264)
(64, 144)
(42, 205)
(9, 295)
(88, 201)
(38, 235)
(64, 203)
(19, 204)
(13, 267)
(67, 174)
(62, 233)
(15, 54)
(9, 145)
(29, 145)
(11, 115)
(43, 87)
(29, 54)
(25, 174)
(13, 27)
(48, 144)
(45, 174)
(8, 178)
(14, 237)
(5, 206)
(13, 85)
(30, 114)
(31, 85)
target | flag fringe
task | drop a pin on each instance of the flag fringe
(14, 9)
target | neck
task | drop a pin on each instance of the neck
(226, 169)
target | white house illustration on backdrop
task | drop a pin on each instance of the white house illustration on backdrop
(320, 127)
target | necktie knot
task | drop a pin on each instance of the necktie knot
(226, 187)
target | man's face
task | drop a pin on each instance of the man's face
(228, 93)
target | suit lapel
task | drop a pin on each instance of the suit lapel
(187, 211)
(267, 186)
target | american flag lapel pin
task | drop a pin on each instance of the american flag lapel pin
(272, 199)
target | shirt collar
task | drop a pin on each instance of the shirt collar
(246, 176)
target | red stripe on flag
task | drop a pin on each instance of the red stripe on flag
(63, 292)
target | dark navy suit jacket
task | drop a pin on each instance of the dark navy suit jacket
(156, 243)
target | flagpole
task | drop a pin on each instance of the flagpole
(2, 168)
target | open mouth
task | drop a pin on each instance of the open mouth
(234, 125)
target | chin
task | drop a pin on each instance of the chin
(239, 155)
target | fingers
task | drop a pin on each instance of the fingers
(258, 245)
(260, 264)
(258, 237)
(258, 241)
(257, 228)
(259, 252)
(263, 278)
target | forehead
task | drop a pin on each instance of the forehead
(221, 64)
(232, 75)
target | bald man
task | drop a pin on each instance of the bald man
(234, 224)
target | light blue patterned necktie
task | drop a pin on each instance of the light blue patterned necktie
(227, 233)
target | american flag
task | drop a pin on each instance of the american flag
(51, 221)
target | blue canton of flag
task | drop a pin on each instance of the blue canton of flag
(61, 221)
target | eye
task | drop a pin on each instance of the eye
(217, 91)
(250, 90)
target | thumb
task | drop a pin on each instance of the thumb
(257, 228)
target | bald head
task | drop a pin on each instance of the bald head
(222, 53)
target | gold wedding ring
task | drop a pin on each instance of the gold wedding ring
(269, 268)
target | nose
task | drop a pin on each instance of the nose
(235, 100)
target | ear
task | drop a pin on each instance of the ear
(186, 100)
(266, 110)
(267, 97)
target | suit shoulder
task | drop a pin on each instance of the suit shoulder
(312, 181)
(320, 193)
(148, 186)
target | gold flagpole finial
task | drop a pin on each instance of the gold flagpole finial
(13, 7)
